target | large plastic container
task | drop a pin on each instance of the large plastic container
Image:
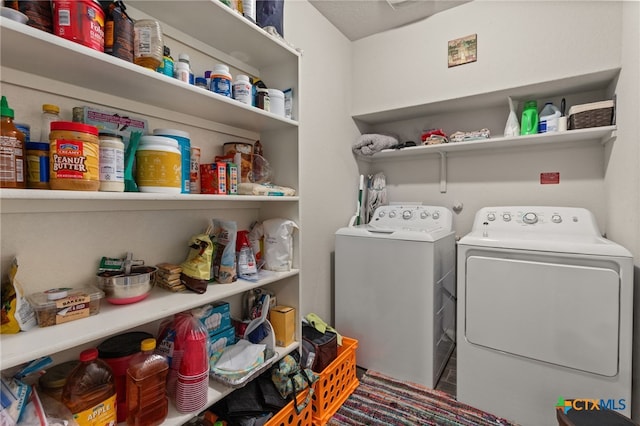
(60, 305)
(548, 120)
(529, 121)
(117, 351)
(184, 142)
(90, 391)
(159, 165)
(147, 402)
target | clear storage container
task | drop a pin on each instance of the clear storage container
(60, 305)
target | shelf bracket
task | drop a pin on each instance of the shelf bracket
(443, 172)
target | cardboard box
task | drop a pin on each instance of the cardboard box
(214, 316)
(232, 179)
(213, 178)
(283, 320)
(111, 121)
(221, 339)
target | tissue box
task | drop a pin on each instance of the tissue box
(221, 339)
(283, 320)
(214, 316)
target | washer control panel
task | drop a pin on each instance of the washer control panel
(412, 218)
(536, 219)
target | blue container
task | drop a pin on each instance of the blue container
(185, 153)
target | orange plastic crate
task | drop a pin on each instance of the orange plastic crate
(287, 416)
(337, 381)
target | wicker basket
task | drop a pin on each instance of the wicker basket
(595, 114)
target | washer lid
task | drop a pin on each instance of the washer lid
(578, 244)
(411, 234)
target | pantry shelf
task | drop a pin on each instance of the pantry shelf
(30, 200)
(107, 74)
(112, 319)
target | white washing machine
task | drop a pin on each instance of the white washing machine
(395, 290)
(544, 314)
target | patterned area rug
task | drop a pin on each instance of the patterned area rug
(383, 401)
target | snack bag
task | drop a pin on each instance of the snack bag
(196, 270)
(17, 313)
(224, 263)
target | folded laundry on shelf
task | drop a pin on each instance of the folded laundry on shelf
(370, 143)
(470, 136)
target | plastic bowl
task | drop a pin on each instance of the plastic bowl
(123, 289)
(14, 15)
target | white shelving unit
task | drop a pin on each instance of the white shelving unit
(32, 60)
(581, 85)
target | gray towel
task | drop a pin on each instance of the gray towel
(369, 144)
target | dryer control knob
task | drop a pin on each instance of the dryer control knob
(392, 214)
(424, 215)
(381, 214)
(436, 215)
(406, 214)
(530, 218)
(556, 218)
(491, 217)
(506, 217)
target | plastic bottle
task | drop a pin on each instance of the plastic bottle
(90, 391)
(147, 43)
(221, 80)
(529, 121)
(50, 113)
(146, 387)
(184, 58)
(111, 160)
(548, 121)
(181, 72)
(166, 67)
(12, 146)
(242, 89)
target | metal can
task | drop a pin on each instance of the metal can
(81, 21)
(74, 156)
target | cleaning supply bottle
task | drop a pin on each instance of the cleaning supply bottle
(147, 401)
(90, 391)
(12, 150)
(529, 122)
(548, 121)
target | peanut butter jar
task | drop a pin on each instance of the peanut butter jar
(74, 156)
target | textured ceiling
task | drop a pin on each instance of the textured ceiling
(357, 19)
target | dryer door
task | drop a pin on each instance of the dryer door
(557, 313)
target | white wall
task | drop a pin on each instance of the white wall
(328, 180)
(518, 43)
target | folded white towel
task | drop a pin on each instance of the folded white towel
(370, 143)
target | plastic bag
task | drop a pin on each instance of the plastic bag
(196, 270)
(512, 128)
(224, 263)
(278, 244)
(17, 313)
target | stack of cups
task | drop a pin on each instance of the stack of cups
(193, 375)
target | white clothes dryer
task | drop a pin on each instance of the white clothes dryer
(545, 314)
(395, 290)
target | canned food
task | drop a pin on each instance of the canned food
(81, 21)
(74, 156)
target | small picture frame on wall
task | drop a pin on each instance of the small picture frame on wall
(463, 50)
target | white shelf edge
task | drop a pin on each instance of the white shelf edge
(42, 195)
(601, 134)
(22, 347)
(216, 392)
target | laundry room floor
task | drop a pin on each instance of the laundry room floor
(447, 382)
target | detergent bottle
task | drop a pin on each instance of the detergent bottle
(529, 122)
(549, 116)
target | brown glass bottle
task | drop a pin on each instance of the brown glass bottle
(12, 146)
(90, 391)
(147, 401)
